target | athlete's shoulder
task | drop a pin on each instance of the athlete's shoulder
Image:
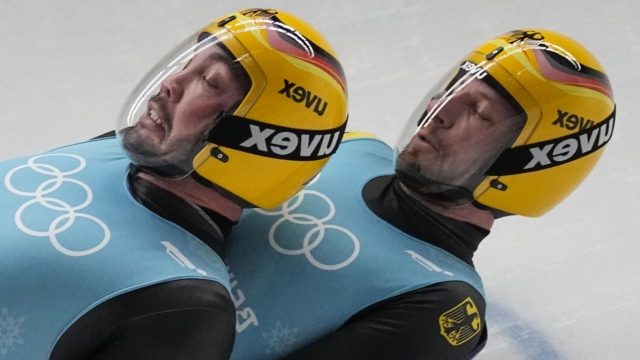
(455, 290)
(358, 144)
(354, 135)
(109, 141)
(96, 149)
(362, 136)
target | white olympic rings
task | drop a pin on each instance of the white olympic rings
(314, 237)
(64, 221)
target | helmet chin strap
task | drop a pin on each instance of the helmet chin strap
(453, 202)
(431, 190)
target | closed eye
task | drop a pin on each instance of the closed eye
(483, 117)
(211, 83)
(481, 110)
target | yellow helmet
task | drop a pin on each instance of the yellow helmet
(276, 113)
(559, 118)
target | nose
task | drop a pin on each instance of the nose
(172, 87)
(440, 113)
(443, 120)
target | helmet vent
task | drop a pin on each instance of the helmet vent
(224, 22)
(494, 53)
(218, 154)
(496, 184)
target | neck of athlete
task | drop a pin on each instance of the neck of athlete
(191, 191)
(466, 212)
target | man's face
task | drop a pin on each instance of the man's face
(171, 129)
(464, 137)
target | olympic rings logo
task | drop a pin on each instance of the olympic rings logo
(316, 234)
(70, 212)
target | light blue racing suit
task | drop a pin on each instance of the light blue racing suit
(301, 271)
(73, 237)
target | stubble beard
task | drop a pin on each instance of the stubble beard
(422, 181)
(146, 153)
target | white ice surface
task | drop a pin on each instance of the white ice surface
(564, 286)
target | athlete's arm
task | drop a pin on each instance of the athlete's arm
(406, 327)
(184, 319)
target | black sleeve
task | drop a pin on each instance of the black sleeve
(184, 319)
(409, 327)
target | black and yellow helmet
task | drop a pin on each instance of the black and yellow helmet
(278, 134)
(561, 115)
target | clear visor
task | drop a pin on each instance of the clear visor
(166, 118)
(455, 135)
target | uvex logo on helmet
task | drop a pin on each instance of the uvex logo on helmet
(299, 94)
(274, 141)
(571, 121)
(475, 70)
(554, 152)
(292, 144)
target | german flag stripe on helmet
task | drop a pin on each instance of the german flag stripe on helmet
(293, 43)
(551, 68)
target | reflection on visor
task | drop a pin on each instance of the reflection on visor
(171, 111)
(460, 133)
(179, 62)
(467, 72)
